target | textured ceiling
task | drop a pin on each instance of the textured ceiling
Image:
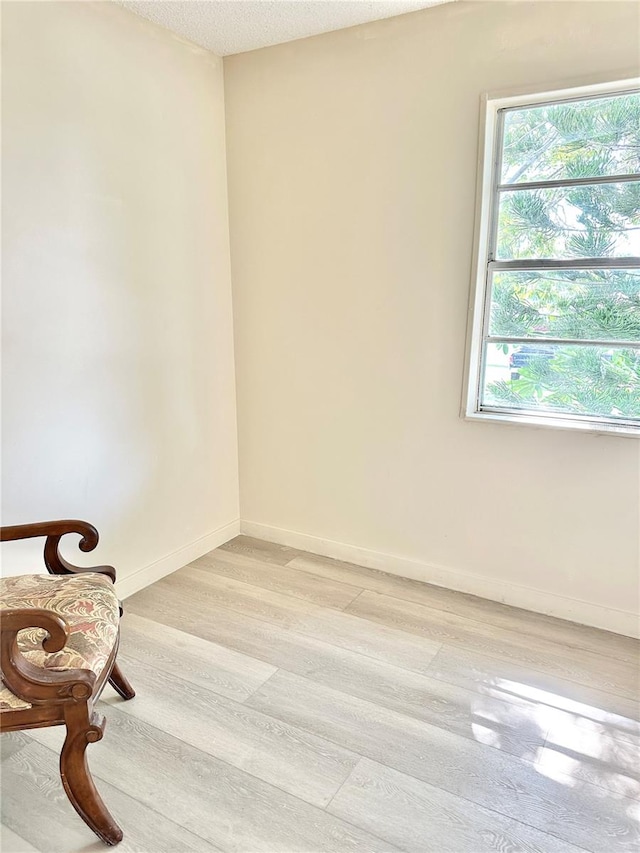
(234, 26)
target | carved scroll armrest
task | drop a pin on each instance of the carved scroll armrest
(54, 531)
(32, 683)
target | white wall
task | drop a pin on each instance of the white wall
(118, 396)
(352, 174)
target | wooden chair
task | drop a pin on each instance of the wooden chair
(59, 642)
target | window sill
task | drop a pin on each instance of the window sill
(579, 424)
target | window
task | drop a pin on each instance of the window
(556, 320)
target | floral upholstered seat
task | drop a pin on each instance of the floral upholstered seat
(75, 611)
(88, 604)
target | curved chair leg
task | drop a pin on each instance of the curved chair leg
(76, 777)
(120, 684)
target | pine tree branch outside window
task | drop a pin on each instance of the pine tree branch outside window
(556, 326)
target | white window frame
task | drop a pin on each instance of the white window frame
(489, 166)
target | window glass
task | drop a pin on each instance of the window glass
(560, 326)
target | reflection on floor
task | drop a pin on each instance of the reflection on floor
(288, 702)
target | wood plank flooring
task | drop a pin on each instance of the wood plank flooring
(289, 702)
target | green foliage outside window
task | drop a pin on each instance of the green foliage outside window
(582, 139)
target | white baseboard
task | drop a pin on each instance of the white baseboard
(166, 565)
(575, 610)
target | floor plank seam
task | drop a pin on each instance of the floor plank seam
(466, 800)
(253, 692)
(608, 692)
(481, 601)
(126, 794)
(453, 643)
(97, 775)
(344, 782)
(345, 608)
(453, 683)
(476, 599)
(297, 631)
(506, 631)
(441, 644)
(349, 603)
(310, 677)
(327, 606)
(394, 711)
(123, 707)
(582, 712)
(529, 762)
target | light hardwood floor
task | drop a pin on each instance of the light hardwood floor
(288, 702)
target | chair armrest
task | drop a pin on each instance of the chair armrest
(54, 531)
(32, 683)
